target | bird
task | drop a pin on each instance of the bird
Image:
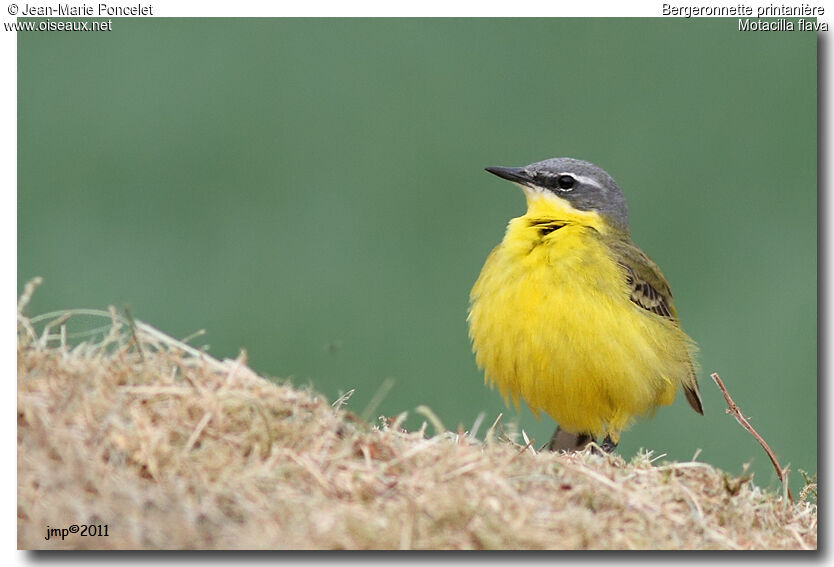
(571, 316)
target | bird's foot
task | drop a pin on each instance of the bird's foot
(608, 445)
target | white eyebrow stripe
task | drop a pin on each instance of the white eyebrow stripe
(586, 180)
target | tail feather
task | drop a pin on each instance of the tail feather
(693, 396)
(690, 389)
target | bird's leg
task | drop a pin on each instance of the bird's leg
(565, 441)
(608, 445)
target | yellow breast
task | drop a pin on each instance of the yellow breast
(551, 322)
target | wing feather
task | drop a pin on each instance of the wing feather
(647, 297)
(650, 290)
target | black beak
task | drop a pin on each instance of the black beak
(514, 174)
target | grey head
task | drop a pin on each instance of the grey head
(584, 185)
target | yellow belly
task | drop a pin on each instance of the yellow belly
(552, 323)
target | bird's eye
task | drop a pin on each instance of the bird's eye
(565, 182)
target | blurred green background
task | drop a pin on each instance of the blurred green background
(313, 191)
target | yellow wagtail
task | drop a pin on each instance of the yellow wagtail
(570, 315)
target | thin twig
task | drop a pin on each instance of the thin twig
(527, 446)
(132, 326)
(28, 291)
(488, 438)
(473, 433)
(337, 405)
(735, 411)
(426, 412)
(24, 300)
(376, 399)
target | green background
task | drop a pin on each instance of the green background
(313, 191)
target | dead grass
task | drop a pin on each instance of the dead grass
(173, 449)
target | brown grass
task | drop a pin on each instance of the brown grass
(172, 449)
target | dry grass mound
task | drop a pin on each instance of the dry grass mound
(172, 449)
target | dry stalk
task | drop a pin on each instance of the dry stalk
(735, 411)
